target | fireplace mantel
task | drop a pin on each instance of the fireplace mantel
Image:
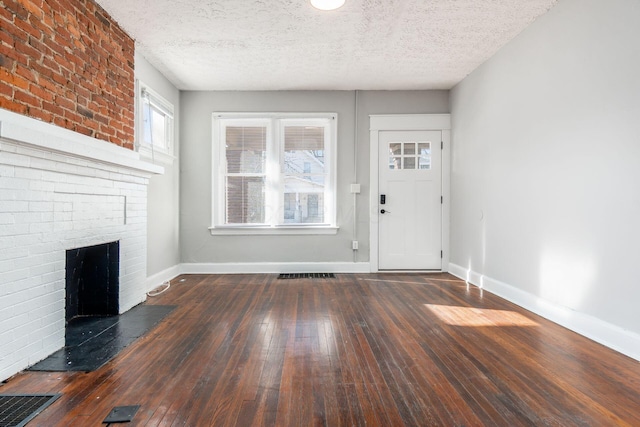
(45, 136)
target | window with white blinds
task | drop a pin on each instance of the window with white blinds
(245, 178)
(273, 171)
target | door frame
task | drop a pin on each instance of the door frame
(399, 122)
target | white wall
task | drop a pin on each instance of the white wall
(199, 246)
(163, 247)
(546, 166)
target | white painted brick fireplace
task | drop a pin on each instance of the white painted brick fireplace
(61, 190)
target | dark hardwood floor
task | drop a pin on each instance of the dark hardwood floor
(360, 349)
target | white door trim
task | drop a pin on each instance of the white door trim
(393, 122)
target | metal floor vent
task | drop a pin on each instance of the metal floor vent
(16, 410)
(307, 276)
(121, 414)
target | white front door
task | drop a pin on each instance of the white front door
(410, 200)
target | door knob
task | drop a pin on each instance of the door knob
(382, 211)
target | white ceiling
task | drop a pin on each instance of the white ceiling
(287, 44)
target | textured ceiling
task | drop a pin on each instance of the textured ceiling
(287, 44)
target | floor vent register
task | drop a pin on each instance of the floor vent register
(307, 276)
(16, 410)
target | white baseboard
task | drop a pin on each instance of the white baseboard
(274, 267)
(607, 334)
(159, 278)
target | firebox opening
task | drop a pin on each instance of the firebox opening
(92, 281)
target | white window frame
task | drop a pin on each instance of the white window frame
(275, 123)
(164, 154)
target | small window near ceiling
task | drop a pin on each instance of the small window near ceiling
(154, 125)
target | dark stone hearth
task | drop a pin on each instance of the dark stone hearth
(90, 342)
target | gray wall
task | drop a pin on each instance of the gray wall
(546, 161)
(163, 243)
(199, 246)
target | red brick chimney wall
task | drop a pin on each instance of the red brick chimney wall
(68, 62)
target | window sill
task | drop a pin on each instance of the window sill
(273, 231)
(155, 155)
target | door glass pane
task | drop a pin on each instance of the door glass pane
(409, 148)
(424, 161)
(246, 149)
(245, 200)
(395, 162)
(409, 162)
(395, 151)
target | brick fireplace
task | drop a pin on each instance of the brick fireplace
(60, 190)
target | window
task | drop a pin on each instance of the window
(273, 173)
(403, 155)
(154, 126)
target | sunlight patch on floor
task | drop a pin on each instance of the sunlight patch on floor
(477, 317)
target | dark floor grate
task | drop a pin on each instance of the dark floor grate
(121, 414)
(307, 276)
(16, 410)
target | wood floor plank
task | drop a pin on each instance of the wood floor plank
(361, 349)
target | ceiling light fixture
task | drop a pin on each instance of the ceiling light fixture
(327, 4)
